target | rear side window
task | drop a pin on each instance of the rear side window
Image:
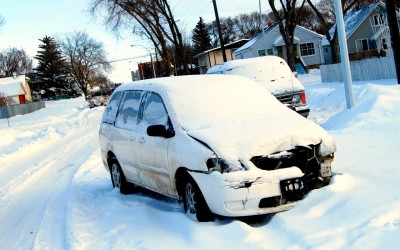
(154, 112)
(129, 109)
(112, 107)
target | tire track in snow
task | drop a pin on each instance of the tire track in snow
(36, 198)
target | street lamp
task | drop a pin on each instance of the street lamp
(151, 58)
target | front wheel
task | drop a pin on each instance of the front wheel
(117, 177)
(194, 201)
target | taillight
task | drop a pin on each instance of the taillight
(303, 98)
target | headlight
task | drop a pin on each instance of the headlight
(217, 164)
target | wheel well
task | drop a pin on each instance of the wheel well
(110, 156)
(181, 176)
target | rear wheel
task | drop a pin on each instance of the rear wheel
(117, 177)
(194, 201)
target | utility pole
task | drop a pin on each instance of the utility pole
(221, 40)
(261, 25)
(394, 35)
(344, 54)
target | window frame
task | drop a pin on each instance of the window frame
(378, 19)
(308, 49)
(362, 45)
(264, 51)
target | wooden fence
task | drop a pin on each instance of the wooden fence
(20, 109)
(364, 70)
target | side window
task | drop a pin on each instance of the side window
(154, 112)
(129, 110)
(112, 107)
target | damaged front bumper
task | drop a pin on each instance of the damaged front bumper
(254, 192)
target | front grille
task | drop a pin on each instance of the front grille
(285, 99)
(302, 157)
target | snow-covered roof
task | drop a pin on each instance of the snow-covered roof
(7, 80)
(279, 40)
(12, 89)
(353, 19)
(227, 46)
(256, 38)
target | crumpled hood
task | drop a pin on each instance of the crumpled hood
(277, 132)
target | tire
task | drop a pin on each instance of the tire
(117, 177)
(194, 202)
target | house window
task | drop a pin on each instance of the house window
(262, 52)
(361, 45)
(307, 49)
(379, 19)
(270, 52)
(326, 51)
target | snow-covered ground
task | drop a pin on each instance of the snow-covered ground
(56, 194)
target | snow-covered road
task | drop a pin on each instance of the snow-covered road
(41, 156)
(56, 194)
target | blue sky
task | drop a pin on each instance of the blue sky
(30, 20)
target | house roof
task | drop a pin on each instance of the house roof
(256, 38)
(353, 19)
(278, 41)
(7, 80)
(12, 89)
(231, 45)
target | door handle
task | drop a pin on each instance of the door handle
(142, 140)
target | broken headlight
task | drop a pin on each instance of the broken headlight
(217, 164)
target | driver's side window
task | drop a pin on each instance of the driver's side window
(154, 112)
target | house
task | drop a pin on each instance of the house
(307, 45)
(212, 57)
(16, 89)
(367, 33)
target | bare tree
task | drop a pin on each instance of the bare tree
(287, 22)
(248, 25)
(152, 19)
(13, 60)
(86, 58)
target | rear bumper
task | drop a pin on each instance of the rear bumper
(302, 110)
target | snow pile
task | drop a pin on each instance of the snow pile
(55, 193)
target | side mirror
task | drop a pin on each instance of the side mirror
(160, 130)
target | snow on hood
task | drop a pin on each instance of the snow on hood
(242, 140)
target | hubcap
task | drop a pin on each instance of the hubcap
(116, 175)
(190, 198)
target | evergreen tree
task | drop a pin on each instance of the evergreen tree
(201, 39)
(52, 69)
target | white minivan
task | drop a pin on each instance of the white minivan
(219, 143)
(274, 75)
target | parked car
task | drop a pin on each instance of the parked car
(99, 97)
(221, 144)
(273, 74)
